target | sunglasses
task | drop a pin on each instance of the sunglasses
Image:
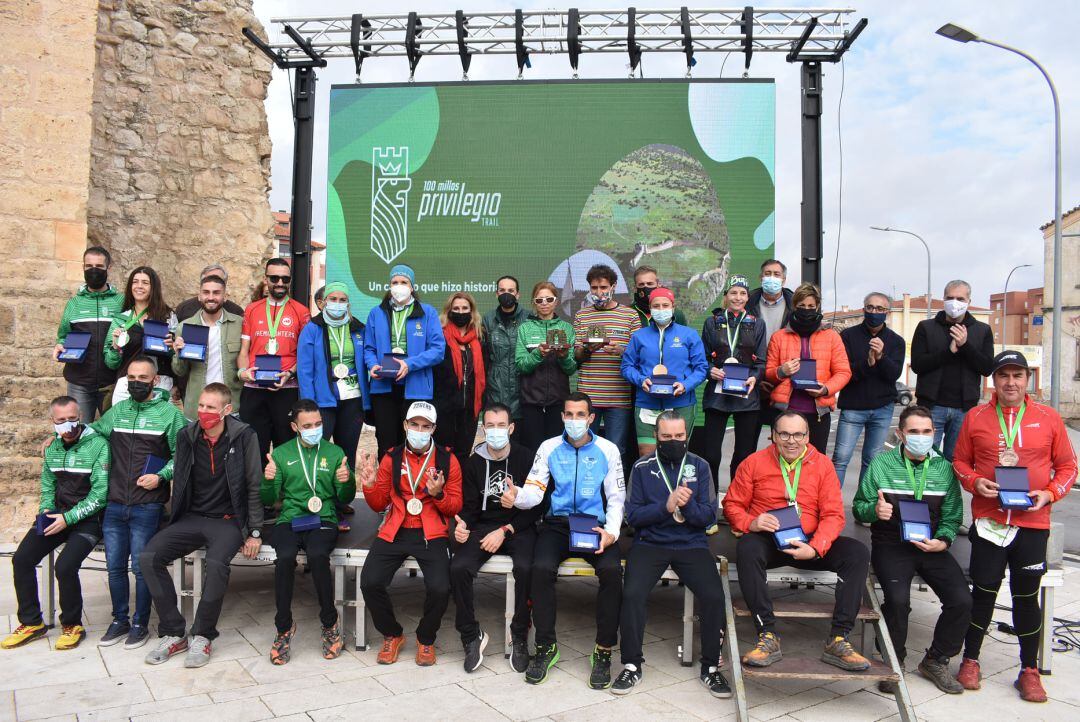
(545, 299)
(279, 279)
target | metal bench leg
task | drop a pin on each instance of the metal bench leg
(731, 641)
(1046, 642)
(339, 591)
(197, 564)
(47, 584)
(361, 617)
(888, 655)
(687, 628)
(508, 613)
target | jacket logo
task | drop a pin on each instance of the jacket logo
(294, 461)
(496, 484)
(322, 464)
(677, 343)
(588, 461)
(689, 473)
(1032, 426)
(287, 321)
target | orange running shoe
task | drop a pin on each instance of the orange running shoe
(968, 675)
(1030, 685)
(425, 654)
(391, 647)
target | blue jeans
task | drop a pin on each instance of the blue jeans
(617, 426)
(89, 399)
(852, 422)
(947, 422)
(127, 529)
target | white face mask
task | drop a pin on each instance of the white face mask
(401, 293)
(497, 438)
(954, 308)
(576, 428)
(65, 427)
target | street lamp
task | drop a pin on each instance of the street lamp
(929, 297)
(1005, 304)
(961, 35)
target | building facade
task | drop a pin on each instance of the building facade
(1070, 307)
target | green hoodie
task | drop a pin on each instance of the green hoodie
(137, 430)
(544, 380)
(90, 312)
(75, 479)
(290, 485)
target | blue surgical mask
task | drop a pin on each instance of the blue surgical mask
(418, 439)
(918, 445)
(771, 284)
(497, 438)
(336, 310)
(576, 428)
(66, 427)
(663, 316)
(311, 436)
(873, 320)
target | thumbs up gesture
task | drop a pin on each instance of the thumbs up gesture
(461, 531)
(509, 495)
(271, 468)
(342, 473)
(883, 508)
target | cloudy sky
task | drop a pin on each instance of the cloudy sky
(951, 141)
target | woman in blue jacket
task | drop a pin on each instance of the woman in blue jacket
(409, 333)
(663, 348)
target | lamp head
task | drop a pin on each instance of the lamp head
(957, 33)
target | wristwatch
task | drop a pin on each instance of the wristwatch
(255, 534)
(507, 530)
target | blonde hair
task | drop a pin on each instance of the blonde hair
(476, 322)
(805, 291)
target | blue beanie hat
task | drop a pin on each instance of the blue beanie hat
(402, 270)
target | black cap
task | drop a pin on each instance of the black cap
(1008, 358)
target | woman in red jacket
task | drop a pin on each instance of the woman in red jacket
(804, 339)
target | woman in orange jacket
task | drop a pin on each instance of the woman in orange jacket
(804, 338)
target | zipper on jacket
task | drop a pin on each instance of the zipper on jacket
(576, 467)
(131, 455)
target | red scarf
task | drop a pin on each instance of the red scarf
(455, 339)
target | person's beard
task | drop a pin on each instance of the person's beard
(211, 307)
(279, 292)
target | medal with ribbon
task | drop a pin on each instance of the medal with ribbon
(272, 325)
(314, 504)
(677, 514)
(1009, 457)
(414, 505)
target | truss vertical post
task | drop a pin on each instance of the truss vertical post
(303, 149)
(812, 229)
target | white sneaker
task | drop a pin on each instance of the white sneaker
(198, 654)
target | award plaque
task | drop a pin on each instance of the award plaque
(790, 527)
(596, 334)
(556, 339)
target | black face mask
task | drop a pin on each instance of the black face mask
(804, 321)
(507, 300)
(641, 298)
(459, 318)
(95, 277)
(671, 451)
(140, 390)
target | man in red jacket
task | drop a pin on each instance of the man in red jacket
(420, 483)
(792, 473)
(1011, 430)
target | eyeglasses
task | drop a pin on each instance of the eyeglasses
(279, 279)
(791, 436)
(545, 299)
(875, 309)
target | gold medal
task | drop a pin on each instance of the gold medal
(1008, 457)
(414, 506)
(397, 351)
(122, 339)
(659, 370)
(341, 371)
(271, 347)
(314, 505)
(731, 360)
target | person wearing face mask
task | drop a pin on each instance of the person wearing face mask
(951, 353)
(222, 347)
(600, 358)
(804, 338)
(876, 355)
(1011, 429)
(409, 330)
(914, 472)
(90, 310)
(577, 472)
(74, 484)
(647, 280)
(670, 507)
(485, 527)
(460, 380)
(500, 334)
(215, 505)
(142, 431)
(271, 327)
(309, 476)
(545, 370)
(771, 302)
(418, 485)
(143, 301)
(733, 333)
(667, 348)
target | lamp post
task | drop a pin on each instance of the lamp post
(1005, 304)
(929, 297)
(960, 35)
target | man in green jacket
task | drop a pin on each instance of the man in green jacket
(142, 441)
(222, 349)
(310, 477)
(74, 480)
(500, 340)
(91, 310)
(915, 479)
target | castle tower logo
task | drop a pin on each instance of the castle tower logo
(390, 184)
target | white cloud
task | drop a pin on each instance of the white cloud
(951, 141)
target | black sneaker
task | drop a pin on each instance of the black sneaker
(547, 655)
(136, 637)
(626, 680)
(715, 682)
(936, 669)
(474, 652)
(519, 655)
(115, 633)
(601, 668)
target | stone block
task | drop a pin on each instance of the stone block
(70, 241)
